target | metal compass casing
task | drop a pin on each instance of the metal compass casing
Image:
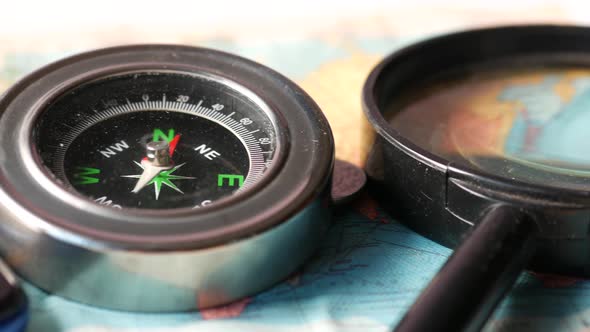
(240, 198)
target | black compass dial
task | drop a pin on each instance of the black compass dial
(217, 140)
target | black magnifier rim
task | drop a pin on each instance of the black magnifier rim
(476, 46)
(300, 178)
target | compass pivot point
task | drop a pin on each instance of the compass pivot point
(158, 153)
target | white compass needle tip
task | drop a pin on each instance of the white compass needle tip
(149, 173)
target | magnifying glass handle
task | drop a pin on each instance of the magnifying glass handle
(13, 302)
(476, 277)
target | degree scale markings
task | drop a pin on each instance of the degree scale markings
(254, 150)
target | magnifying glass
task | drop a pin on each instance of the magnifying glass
(483, 144)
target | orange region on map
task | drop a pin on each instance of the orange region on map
(227, 311)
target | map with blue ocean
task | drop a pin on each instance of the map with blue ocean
(370, 268)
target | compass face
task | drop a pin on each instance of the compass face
(218, 141)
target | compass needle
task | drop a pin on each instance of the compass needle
(158, 160)
(149, 173)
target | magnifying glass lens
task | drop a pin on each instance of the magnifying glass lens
(523, 124)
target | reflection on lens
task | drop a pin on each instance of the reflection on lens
(531, 125)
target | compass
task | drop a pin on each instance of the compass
(160, 177)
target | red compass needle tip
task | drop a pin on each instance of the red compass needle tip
(173, 144)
